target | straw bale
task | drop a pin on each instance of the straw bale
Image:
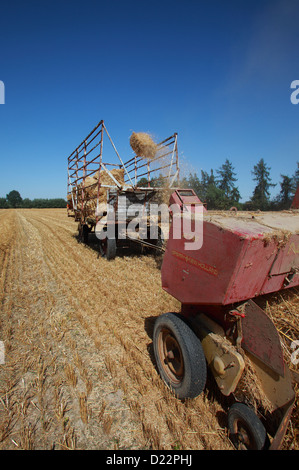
(143, 145)
(91, 196)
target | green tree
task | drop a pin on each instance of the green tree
(26, 203)
(205, 182)
(261, 194)
(194, 183)
(286, 194)
(3, 203)
(226, 183)
(14, 199)
(215, 197)
(142, 183)
(157, 182)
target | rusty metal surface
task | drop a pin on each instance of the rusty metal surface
(278, 438)
(261, 338)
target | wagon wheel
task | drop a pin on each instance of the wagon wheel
(83, 233)
(179, 356)
(108, 248)
(246, 430)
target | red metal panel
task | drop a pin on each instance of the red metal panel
(186, 199)
(240, 259)
(201, 276)
(260, 337)
(295, 203)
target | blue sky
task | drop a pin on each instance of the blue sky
(217, 72)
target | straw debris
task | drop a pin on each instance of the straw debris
(280, 238)
(94, 192)
(250, 389)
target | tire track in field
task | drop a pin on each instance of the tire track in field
(50, 397)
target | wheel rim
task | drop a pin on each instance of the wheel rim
(171, 356)
(242, 434)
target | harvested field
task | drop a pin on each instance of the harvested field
(79, 371)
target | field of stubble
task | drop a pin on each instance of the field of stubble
(79, 371)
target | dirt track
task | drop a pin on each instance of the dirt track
(79, 371)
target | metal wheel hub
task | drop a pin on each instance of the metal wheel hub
(242, 434)
(171, 356)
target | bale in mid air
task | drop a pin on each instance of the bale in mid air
(143, 145)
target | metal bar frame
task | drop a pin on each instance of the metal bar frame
(87, 159)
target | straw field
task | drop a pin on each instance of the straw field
(79, 371)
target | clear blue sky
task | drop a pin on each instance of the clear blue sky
(217, 72)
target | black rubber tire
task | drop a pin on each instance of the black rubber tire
(83, 233)
(241, 416)
(110, 248)
(192, 379)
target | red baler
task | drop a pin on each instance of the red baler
(244, 255)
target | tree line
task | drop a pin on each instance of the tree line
(218, 188)
(14, 200)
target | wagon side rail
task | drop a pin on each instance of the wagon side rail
(87, 161)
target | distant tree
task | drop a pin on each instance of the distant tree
(14, 199)
(226, 183)
(142, 183)
(215, 197)
(48, 203)
(286, 194)
(157, 182)
(205, 181)
(194, 183)
(261, 194)
(26, 203)
(3, 203)
(57, 203)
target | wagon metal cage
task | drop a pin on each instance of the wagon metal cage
(87, 160)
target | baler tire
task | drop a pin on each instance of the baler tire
(174, 340)
(245, 428)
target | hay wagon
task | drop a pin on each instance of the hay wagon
(104, 191)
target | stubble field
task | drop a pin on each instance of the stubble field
(79, 371)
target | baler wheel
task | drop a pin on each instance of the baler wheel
(179, 355)
(245, 428)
